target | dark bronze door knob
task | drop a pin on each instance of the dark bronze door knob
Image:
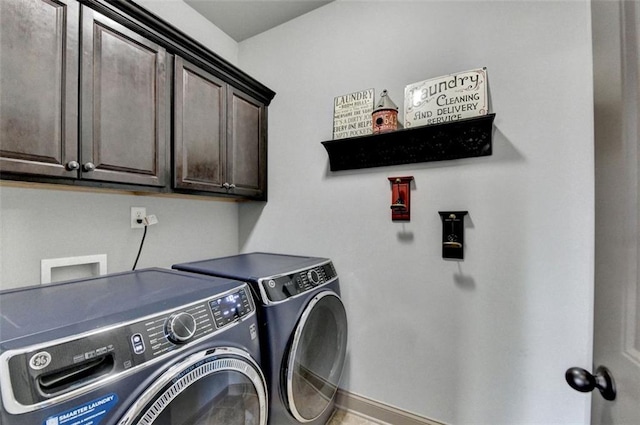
(581, 380)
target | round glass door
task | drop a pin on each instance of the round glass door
(205, 389)
(316, 357)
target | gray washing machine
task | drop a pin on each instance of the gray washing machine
(147, 347)
(303, 327)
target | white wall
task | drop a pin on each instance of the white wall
(37, 224)
(482, 341)
(192, 23)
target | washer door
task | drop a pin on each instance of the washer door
(219, 386)
(316, 357)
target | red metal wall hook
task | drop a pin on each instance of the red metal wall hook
(401, 198)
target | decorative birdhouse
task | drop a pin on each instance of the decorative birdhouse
(385, 115)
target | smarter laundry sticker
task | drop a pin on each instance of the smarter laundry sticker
(90, 413)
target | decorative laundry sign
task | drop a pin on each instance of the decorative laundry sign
(448, 98)
(352, 114)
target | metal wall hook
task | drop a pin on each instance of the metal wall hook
(400, 198)
(399, 204)
(453, 234)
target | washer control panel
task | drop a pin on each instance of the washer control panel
(180, 327)
(165, 332)
(230, 308)
(45, 372)
(281, 287)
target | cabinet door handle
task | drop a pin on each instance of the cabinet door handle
(228, 186)
(88, 167)
(72, 165)
(232, 186)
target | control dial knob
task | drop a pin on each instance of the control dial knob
(180, 327)
(313, 277)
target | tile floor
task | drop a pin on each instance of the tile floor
(340, 417)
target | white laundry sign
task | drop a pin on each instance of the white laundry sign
(352, 114)
(445, 99)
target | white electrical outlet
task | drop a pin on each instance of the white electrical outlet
(137, 217)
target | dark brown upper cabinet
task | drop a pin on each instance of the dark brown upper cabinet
(39, 87)
(123, 96)
(246, 144)
(199, 131)
(124, 104)
(219, 135)
(86, 99)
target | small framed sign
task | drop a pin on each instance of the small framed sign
(352, 114)
(448, 98)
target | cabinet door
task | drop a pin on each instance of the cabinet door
(246, 145)
(123, 104)
(199, 130)
(38, 86)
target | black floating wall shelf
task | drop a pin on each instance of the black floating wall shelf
(465, 138)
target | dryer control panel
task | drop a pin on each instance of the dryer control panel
(47, 372)
(280, 287)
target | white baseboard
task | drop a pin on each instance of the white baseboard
(377, 411)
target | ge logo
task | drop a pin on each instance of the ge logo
(40, 360)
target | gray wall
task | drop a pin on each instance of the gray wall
(482, 341)
(37, 224)
(192, 23)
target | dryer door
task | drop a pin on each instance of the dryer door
(218, 386)
(316, 357)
